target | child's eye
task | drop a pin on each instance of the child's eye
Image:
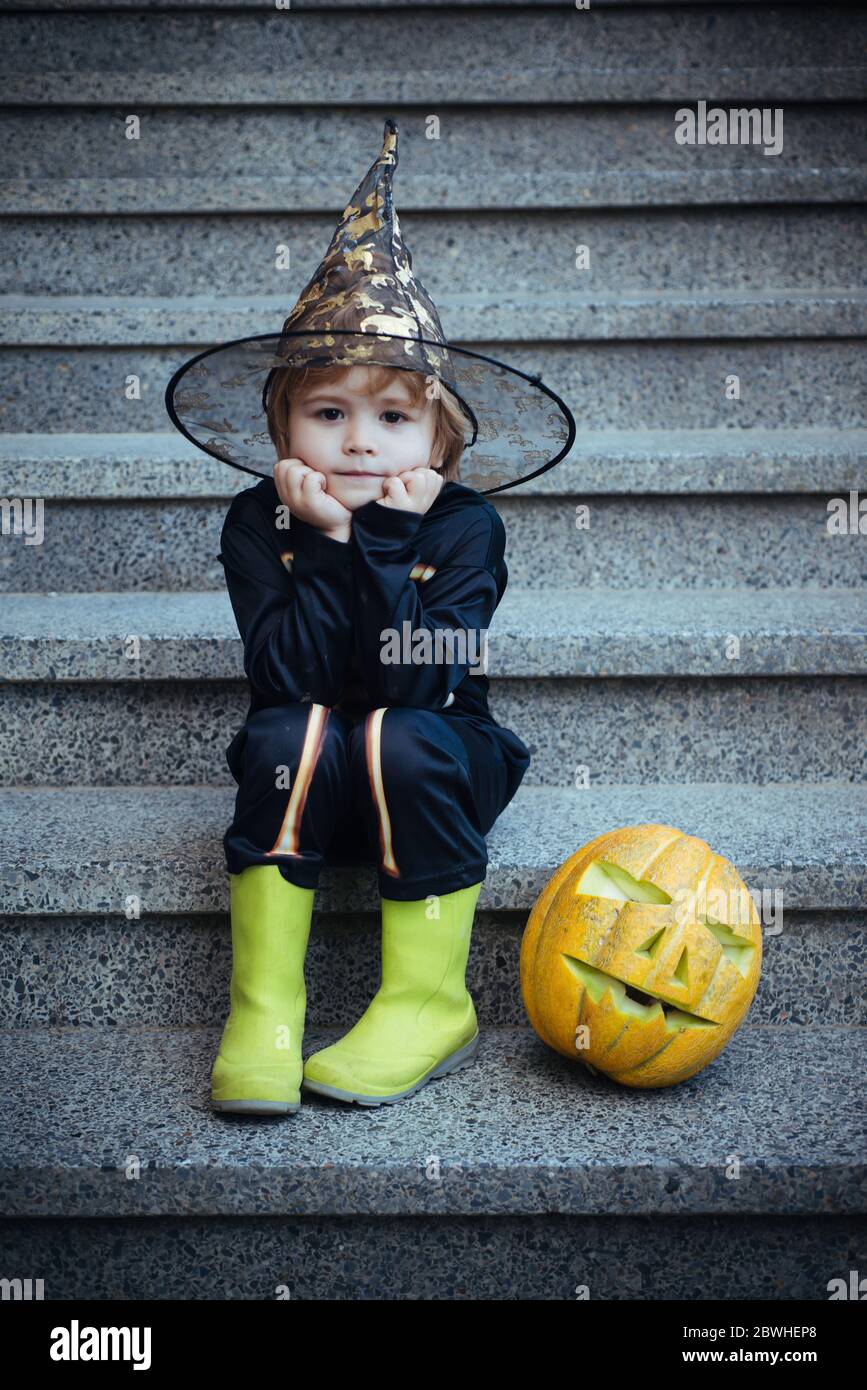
(331, 410)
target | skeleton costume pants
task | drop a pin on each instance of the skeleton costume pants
(411, 791)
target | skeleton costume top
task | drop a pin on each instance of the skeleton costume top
(312, 610)
(367, 658)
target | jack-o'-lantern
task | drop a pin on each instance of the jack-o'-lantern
(641, 955)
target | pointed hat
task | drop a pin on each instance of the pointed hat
(516, 427)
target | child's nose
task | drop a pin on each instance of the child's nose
(359, 441)
(359, 436)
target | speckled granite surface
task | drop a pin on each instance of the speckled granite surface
(758, 729)
(599, 632)
(174, 971)
(162, 466)
(627, 157)
(438, 1257)
(522, 1131)
(666, 384)
(86, 320)
(750, 248)
(685, 543)
(85, 850)
(644, 59)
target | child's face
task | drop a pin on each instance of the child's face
(356, 440)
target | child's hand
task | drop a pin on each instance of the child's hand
(414, 490)
(302, 490)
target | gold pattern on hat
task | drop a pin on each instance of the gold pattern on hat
(366, 278)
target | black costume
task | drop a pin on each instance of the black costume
(346, 757)
(353, 751)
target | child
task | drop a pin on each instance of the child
(418, 772)
(363, 576)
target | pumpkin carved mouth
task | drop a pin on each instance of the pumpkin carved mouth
(629, 1000)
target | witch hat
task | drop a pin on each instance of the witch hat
(516, 427)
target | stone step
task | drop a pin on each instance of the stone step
(668, 385)
(162, 466)
(576, 632)
(82, 321)
(523, 1158)
(605, 730)
(221, 271)
(618, 155)
(91, 851)
(627, 55)
(108, 6)
(170, 970)
(600, 542)
(75, 711)
(522, 1132)
(340, 1257)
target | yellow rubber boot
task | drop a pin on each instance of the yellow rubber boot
(421, 1023)
(258, 1067)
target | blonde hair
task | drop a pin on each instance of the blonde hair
(449, 420)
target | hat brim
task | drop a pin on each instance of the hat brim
(518, 426)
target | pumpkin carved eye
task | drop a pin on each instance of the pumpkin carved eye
(602, 879)
(738, 951)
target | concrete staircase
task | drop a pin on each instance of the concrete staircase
(612, 653)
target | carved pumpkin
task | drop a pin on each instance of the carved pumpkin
(641, 955)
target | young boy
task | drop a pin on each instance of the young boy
(397, 762)
(363, 575)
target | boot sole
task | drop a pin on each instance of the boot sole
(257, 1107)
(464, 1057)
